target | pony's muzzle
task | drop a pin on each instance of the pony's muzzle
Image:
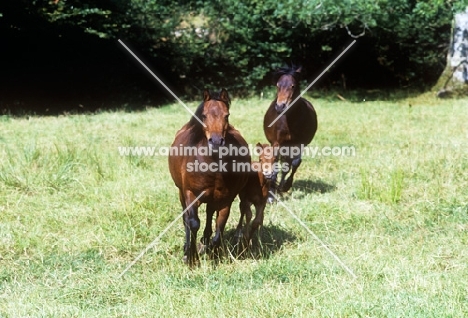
(280, 107)
(216, 141)
(268, 175)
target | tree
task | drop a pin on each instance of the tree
(454, 79)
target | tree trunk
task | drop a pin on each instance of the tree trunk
(454, 79)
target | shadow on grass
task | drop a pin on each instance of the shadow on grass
(265, 243)
(307, 186)
(314, 186)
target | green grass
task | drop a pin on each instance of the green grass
(74, 214)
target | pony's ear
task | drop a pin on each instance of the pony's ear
(258, 149)
(224, 96)
(299, 69)
(206, 95)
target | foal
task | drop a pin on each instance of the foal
(256, 192)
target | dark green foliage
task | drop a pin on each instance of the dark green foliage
(234, 44)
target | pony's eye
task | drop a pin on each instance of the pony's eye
(226, 117)
(203, 117)
(292, 86)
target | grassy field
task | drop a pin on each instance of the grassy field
(74, 214)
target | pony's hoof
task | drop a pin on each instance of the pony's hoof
(191, 262)
(286, 186)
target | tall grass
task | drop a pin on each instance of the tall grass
(74, 213)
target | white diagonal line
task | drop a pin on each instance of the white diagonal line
(310, 85)
(161, 82)
(316, 237)
(159, 237)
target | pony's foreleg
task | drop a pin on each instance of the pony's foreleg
(285, 163)
(191, 224)
(241, 230)
(186, 227)
(205, 241)
(244, 208)
(221, 219)
(258, 220)
(274, 186)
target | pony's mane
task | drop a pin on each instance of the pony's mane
(216, 96)
(286, 70)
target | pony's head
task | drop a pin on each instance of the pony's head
(215, 115)
(267, 159)
(287, 86)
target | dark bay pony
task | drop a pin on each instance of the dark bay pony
(295, 128)
(215, 174)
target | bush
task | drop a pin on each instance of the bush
(234, 44)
